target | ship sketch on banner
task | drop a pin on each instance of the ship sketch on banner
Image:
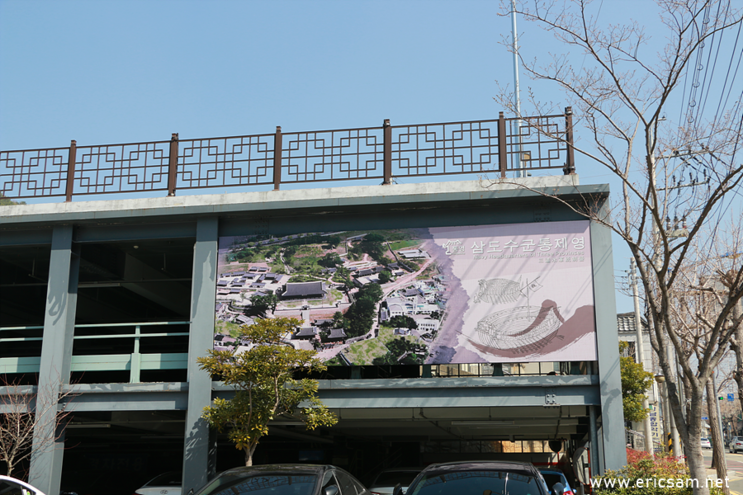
(520, 329)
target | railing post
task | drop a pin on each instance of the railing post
(71, 157)
(173, 164)
(569, 168)
(135, 366)
(277, 159)
(502, 155)
(387, 153)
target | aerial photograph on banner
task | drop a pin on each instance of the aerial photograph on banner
(502, 293)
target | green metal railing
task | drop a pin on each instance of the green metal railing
(134, 362)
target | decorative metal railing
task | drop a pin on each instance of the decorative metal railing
(388, 152)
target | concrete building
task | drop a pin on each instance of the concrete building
(144, 270)
(113, 300)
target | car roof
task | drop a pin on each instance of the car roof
(281, 468)
(402, 470)
(511, 466)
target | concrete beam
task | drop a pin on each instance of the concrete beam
(336, 197)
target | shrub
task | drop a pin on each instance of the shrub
(669, 471)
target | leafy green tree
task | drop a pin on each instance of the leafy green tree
(403, 321)
(265, 388)
(360, 317)
(333, 241)
(338, 320)
(373, 292)
(400, 351)
(384, 277)
(387, 359)
(372, 244)
(342, 275)
(635, 382)
(330, 260)
(261, 304)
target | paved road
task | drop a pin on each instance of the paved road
(735, 469)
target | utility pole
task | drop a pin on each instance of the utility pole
(640, 352)
(669, 350)
(516, 126)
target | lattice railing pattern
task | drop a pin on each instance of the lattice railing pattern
(443, 149)
(371, 153)
(34, 173)
(116, 168)
(228, 161)
(345, 154)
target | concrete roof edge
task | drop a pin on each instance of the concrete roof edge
(299, 198)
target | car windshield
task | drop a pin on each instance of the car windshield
(261, 484)
(552, 478)
(394, 477)
(476, 482)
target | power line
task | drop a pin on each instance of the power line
(700, 109)
(697, 67)
(727, 75)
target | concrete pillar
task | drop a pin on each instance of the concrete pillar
(610, 380)
(198, 452)
(56, 356)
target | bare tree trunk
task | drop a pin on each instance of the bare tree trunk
(691, 430)
(697, 469)
(718, 445)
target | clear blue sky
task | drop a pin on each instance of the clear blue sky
(118, 71)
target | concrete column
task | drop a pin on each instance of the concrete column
(56, 356)
(594, 439)
(197, 465)
(610, 380)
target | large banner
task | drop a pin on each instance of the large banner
(483, 294)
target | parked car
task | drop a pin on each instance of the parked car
(552, 476)
(475, 477)
(736, 444)
(162, 484)
(13, 486)
(285, 479)
(385, 482)
(706, 443)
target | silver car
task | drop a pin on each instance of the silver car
(736, 444)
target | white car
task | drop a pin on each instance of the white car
(706, 443)
(17, 487)
(736, 445)
(164, 484)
